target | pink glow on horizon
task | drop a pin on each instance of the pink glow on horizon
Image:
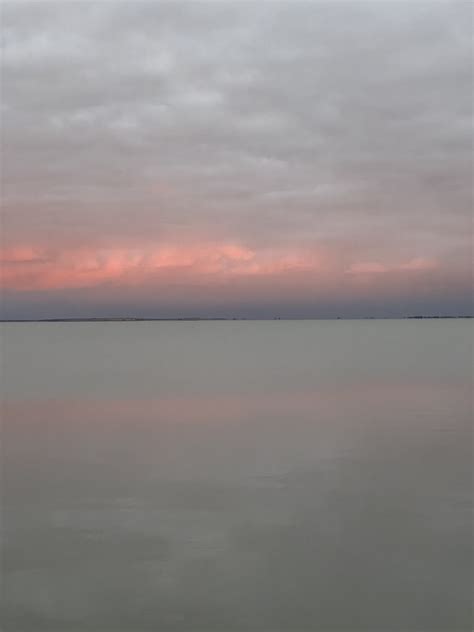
(375, 267)
(26, 267)
(30, 267)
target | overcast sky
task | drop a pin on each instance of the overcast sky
(248, 158)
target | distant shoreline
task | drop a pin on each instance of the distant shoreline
(212, 319)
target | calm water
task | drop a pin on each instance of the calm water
(244, 476)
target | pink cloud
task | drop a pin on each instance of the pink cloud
(81, 267)
(375, 267)
(419, 263)
(21, 254)
(203, 267)
(367, 267)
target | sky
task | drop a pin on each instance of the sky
(248, 159)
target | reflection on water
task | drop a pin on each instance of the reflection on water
(237, 476)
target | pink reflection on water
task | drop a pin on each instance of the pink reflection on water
(205, 408)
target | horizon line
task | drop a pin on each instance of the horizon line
(227, 318)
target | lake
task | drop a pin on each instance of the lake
(237, 475)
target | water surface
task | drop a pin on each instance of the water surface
(247, 476)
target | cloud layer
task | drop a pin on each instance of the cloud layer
(181, 145)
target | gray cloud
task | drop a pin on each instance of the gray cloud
(289, 123)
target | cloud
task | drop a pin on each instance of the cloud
(374, 267)
(85, 267)
(277, 126)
